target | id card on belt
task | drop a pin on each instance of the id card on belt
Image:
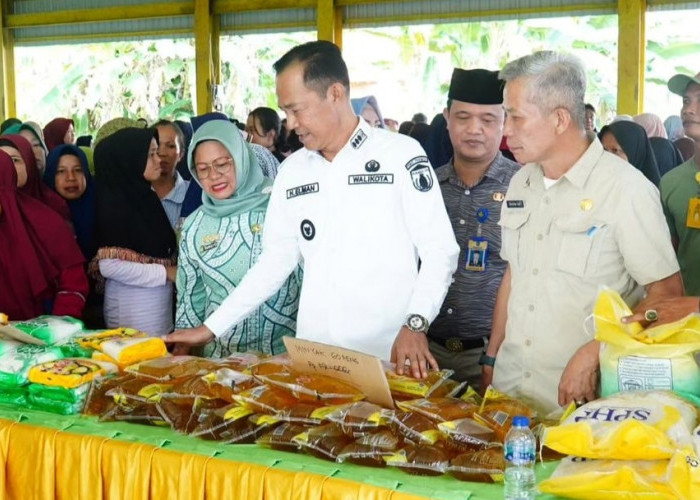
(477, 254)
(693, 219)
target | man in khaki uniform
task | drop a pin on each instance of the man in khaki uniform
(575, 218)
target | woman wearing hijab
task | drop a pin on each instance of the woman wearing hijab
(68, 174)
(41, 267)
(30, 183)
(652, 124)
(222, 240)
(674, 127)
(32, 132)
(59, 131)
(666, 154)
(367, 108)
(136, 253)
(629, 141)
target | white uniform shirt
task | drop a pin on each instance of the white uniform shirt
(360, 223)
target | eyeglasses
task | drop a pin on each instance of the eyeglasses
(221, 165)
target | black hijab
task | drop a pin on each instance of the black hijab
(667, 155)
(634, 142)
(129, 213)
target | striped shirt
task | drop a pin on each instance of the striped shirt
(172, 202)
(467, 311)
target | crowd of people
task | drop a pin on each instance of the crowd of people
(476, 242)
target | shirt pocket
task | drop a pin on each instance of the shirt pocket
(578, 244)
(512, 239)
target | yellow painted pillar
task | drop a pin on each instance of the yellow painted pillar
(325, 20)
(8, 96)
(631, 56)
(203, 55)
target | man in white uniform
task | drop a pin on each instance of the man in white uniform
(361, 207)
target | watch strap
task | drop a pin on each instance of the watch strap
(487, 360)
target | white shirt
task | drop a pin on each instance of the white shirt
(137, 296)
(360, 223)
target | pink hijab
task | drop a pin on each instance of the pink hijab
(652, 124)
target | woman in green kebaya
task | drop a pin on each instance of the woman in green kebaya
(222, 240)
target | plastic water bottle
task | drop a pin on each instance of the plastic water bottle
(519, 451)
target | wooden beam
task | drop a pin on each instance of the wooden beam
(203, 55)
(631, 56)
(117, 13)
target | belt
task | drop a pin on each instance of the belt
(457, 344)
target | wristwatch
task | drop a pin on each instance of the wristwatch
(417, 323)
(487, 360)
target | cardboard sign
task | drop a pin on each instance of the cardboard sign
(10, 332)
(361, 370)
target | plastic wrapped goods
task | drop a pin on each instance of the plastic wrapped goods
(649, 425)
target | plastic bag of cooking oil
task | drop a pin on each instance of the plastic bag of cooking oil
(643, 425)
(589, 479)
(282, 437)
(325, 441)
(370, 449)
(440, 409)
(421, 460)
(69, 372)
(631, 358)
(43, 330)
(358, 418)
(16, 363)
(466, 435)
(497, 411)
(231, 424)
(265, 399)
(414, 427)
(407, 387)
(481, 466)
(312, 387)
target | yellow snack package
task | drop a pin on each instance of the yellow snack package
(69, 372)
(677, 479)
(632, 358)
(644, 425)
(128, 351)
(94, 341)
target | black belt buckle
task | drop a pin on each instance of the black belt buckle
(454, 344)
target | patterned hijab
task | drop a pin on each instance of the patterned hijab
(252, 188)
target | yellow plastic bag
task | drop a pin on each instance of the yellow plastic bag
(632, 358)
(69, 372)
(677, 479)
(644, 425)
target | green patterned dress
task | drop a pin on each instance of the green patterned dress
(215, 254)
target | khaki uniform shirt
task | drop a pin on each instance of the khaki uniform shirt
(600, 225)
(677, 187)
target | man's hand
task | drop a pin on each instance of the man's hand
(580, 378)
(669, 310)
(413, 347)
(486, 378)
(189, 338)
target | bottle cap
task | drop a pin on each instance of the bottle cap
(521, 421)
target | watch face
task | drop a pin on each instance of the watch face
(416, 322)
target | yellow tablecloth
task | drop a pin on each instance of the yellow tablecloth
(48, 456)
